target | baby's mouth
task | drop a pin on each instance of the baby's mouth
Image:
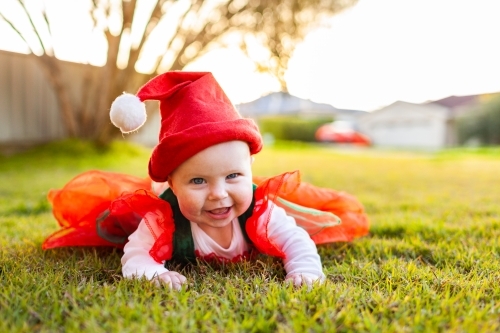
(219, 211)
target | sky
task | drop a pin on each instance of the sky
(369, 56)
(381, 51)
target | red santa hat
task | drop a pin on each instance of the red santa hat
(195, 114)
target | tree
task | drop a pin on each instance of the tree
(198, 26)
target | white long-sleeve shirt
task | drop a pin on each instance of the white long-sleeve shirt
(301, 255)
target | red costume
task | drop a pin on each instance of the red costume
(79, 205)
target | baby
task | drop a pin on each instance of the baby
(205, 155)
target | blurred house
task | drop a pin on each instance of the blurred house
(281, 103)
(274, 104)
(429, 125)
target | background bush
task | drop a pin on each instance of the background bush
(482, 125)
(291, 127)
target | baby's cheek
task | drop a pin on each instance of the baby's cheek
(189, 208)
(244, 203)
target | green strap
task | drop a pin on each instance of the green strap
(242, 219)
(183, 243)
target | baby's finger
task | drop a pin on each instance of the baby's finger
(296, 280)
(181, 278)
(164, 280)
(177, 283)
(307, 281)
(159, 282)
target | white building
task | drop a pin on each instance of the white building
(427, 126)
(282, 103)
(406, 125)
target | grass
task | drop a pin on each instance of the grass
(430, 264)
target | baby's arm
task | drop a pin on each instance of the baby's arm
(136, 261)
(302, 262)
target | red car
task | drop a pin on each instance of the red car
(341, 132)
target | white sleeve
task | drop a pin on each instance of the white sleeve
(136, 261)
(301, 253)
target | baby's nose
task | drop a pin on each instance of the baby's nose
(217, 192)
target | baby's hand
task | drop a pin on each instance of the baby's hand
(173, 280)
(301, 279)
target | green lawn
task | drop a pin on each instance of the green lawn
(430, 264)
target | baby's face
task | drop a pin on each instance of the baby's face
(215, 186)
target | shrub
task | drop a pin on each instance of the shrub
(483, 125)
(291, 128)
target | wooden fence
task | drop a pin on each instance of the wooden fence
(29, 112)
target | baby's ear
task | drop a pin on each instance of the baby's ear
(252, 159)
(169, 181)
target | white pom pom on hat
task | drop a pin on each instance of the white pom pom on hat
(128, 113)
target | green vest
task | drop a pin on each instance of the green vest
(183, 243)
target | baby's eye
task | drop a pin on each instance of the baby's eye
(197, 181)
(232, 176)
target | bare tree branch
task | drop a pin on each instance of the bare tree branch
(92, 13)
(33, 25)
(47, 22)
(135, 52)
(168, 46)
(206, 35)
(128, 9)
(9, 22)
